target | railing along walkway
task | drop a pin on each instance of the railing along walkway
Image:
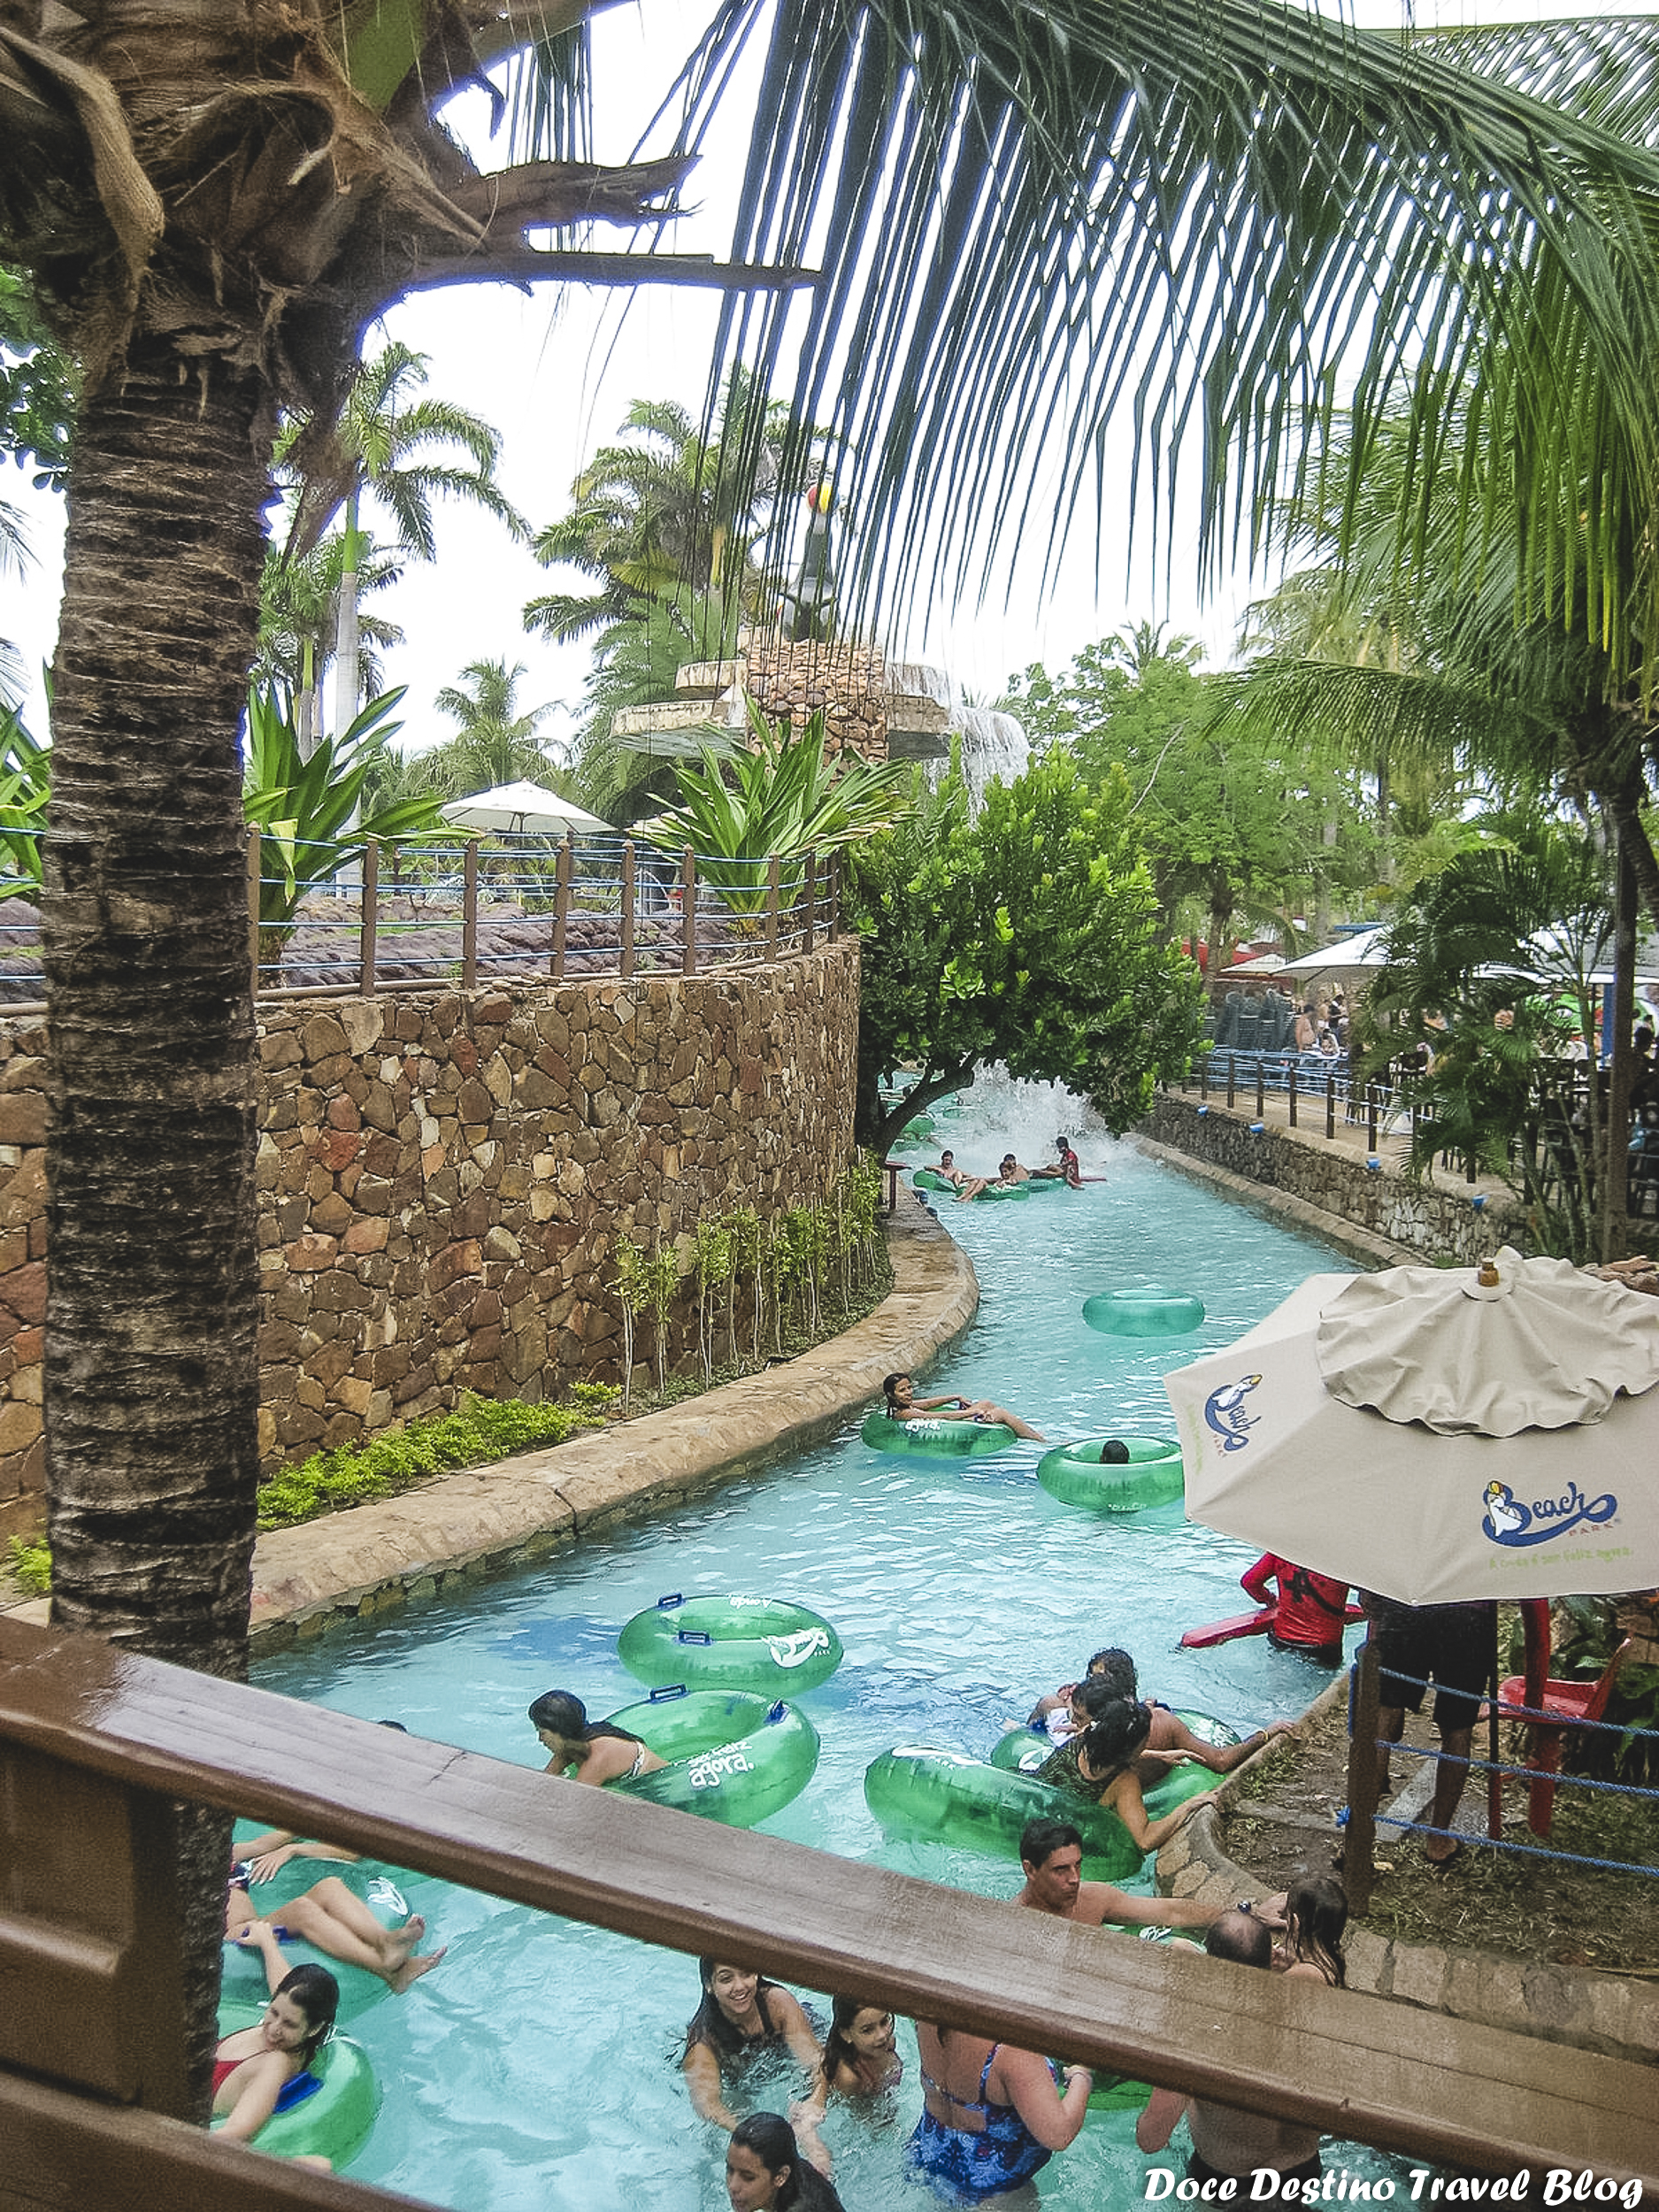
(92, 1741)
(431, 918)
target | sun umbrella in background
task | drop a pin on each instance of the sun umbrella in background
(522, 806)
(1434, 1436)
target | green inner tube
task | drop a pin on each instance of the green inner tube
(1041, 1185)
(1149, 1312)
(922, 1794)
(921, 1125)
(1022, 1750)
(1001, 1192)
(926, 1439)
(732, 1643)
(930, 1178)
(733, 1756)
(1076, 1474)
(381, 1889)
(333, 2121)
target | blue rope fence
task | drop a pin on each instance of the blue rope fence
(1559, 1720)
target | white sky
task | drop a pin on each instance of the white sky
(555, 377)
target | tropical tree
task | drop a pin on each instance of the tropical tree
(390, 446)
(636, 662)
(1027, 933)
(677, 512)
(214, 205)
(299, 622)
(25, 786)
(1238, 828)
(495, 743)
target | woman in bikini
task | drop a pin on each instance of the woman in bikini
(1100, 1764)
(992, 2116)
(587, 1750)
(257, 2068)
(904, 1405)
(742, 2014)
(328, 1914)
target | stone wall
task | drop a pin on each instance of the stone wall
(441, 1178)
(1441, 1225)
(847, 681)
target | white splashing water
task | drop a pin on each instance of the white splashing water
(1000, 1114)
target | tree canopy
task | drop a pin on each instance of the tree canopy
(1027, 934)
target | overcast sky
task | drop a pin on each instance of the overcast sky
(555, 377)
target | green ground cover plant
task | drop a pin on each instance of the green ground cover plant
(475, 1431)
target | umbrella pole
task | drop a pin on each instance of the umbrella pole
(1361, 1836)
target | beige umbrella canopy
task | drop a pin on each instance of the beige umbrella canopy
(522, 806)
(1436, 1436)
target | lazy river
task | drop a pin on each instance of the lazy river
(536, 2071)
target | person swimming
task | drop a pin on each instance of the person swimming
(588, 1750)
(741, 2014)
(257, 2070)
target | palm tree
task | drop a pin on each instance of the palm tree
(386, 445)
(299, 623)
(216, 203)
(495, 743)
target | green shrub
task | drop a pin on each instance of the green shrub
(478, 1430)
(32, 1564)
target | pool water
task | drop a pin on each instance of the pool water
(536, 2071)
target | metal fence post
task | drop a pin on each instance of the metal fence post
(689, 912)
(1330, 1108)
(811, 902)
(772, 908)
(253, 899)
(1290, 1086)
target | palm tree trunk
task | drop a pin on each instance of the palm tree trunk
(152, 1380)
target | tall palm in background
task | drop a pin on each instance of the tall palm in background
(1009, 208)
(495, 743)
(401, 450)
(299, 623)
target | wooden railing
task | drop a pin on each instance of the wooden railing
(93, 1742)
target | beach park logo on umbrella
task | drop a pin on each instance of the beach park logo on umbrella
(1225, 1413)
(1506, 1521)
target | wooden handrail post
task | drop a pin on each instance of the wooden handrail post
(1204, 1073)
(1291, 1101)
(627, 906)
(772, 908)
(469, 917)
(565, 868)
(253, 899)
(1261, 1089)
(369, 936)
(1233, 1078)
(811, 902)
(689, 912)
(1370, 1114)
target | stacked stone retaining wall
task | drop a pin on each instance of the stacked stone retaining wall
(442, 1179)
(1418, 1216)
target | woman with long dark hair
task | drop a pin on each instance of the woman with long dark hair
(1100, 1764)
(587, 1750)
(256, 2070)
(742, 2014)
(765, 2172)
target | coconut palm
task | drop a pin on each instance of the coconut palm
(299, 623)
(1011, 203)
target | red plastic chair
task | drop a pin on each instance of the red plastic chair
(1569, 1704)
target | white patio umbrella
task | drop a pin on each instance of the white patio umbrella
(1434, 1437)
(522, 806)
(1358, 954)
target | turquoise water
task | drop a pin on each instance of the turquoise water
(534, 2071)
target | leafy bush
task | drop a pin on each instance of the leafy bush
(478, 1430)
(32, 1564)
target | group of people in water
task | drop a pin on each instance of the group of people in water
(1067, 1169)
(993, 2113)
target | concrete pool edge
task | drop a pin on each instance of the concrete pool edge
(348, 1566)
(1615, 2015)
